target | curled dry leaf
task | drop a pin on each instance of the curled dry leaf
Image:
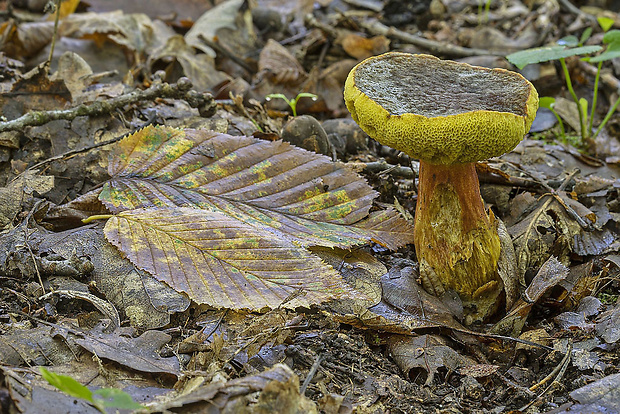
(551, 273)
(260, 393)
(222, 16)
(200, 68)
(426, 352)
(361, 47)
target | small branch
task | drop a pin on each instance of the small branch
(223, 50)
(382, 167)
(179, 90)
(608, 78)
(576, 11)
(558, 373)
(311, 374)
(377, 28)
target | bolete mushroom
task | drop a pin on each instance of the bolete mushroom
(449, 115)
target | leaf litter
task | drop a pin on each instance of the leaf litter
(277, 218)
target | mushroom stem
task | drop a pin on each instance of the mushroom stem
(456, 242)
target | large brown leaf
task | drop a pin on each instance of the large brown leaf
(225, 219)
(221, 261)
(289, 192)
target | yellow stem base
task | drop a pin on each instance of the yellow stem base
(456, 243)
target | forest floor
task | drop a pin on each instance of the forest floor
(225, 270)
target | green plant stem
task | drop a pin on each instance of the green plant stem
(595, 96)
(561, 124)
(569, 85)
(607, 117)
(97, 217)
(293, 104)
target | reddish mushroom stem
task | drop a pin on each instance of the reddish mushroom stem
(456, 241)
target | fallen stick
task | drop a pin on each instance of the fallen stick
(179, 90)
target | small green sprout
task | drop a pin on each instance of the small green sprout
(487, 6)
(291, 102)
(573, 46)
(100, 399)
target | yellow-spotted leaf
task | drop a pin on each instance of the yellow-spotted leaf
(220, 261)
(279, 189)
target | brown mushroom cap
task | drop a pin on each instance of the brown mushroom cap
(442, 112)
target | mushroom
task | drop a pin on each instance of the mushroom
(449, 115)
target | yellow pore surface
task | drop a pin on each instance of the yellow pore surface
(461, 138)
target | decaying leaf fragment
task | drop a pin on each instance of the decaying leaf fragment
(550, 274)
(225, 219)
(426, 352)
(275, 390)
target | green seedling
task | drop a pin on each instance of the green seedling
(291, 102)
(100, 399)
(487, 7)
(573, 46)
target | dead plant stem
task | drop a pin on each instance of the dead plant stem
(54, 36)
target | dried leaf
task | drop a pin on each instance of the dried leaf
(405, 307)
(145, 301)
(291, 193)
(547, 230)
(34, 91)
(551, 273)
(602, 395)
(426, 352)
(608, 325)
(221, 16)
(200, 68)
(26, 39)
(139, 353)
(360, 47)
(221, 261)
(21, 190)
(256, 205)
(360, 269)
(277, 387)
(135, 32)
(277, 63)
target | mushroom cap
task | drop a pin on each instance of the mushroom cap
(440, 111)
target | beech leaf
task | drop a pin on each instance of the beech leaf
(220, 261)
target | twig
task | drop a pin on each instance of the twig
(575, 10)
(383, 167)
(558, 373)
(55, 36)
(71, 153)
(608, 79)
(311, 374)
(311, 21)
(227, 52)
(377, 28)
(181, 89)
(514, 385)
